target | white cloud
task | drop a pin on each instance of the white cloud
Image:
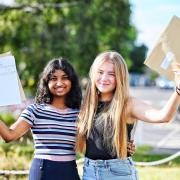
(6, 1)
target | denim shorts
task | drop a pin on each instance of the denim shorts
(113, 169)
(42, 169)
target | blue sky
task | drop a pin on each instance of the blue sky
(152, 17)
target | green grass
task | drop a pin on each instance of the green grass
(19, 157)
(156, 157)
(143, 155)
(159, 173)
(167, 171)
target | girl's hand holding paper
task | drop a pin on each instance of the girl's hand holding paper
(176, 69)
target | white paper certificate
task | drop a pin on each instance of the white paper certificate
(9, 88)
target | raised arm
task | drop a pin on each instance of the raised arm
(145, 112)
(18, 129)
(142, 111)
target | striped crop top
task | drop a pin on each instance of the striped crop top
(53, 131)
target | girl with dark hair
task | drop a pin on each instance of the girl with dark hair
(52, 120)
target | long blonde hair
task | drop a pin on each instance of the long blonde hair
(114, 117)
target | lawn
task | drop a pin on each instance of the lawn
(19, 158)
(159, 173)
(168, 171)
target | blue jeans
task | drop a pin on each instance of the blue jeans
(113, 169)
(42, 169)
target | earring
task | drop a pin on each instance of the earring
(98, 92)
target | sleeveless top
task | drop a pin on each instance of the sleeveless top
(95, 149)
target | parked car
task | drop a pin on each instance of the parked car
(164, 83)
(136, 79)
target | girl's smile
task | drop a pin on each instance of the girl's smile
(59, 84)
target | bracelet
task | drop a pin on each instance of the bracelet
(178, 90)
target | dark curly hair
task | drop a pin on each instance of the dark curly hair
(43, 95)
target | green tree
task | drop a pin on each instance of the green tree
(138, 55)
(78, 30)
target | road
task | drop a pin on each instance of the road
(161, 136)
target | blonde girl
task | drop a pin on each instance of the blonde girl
(106, 116)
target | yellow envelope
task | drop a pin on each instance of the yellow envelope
(167, 50)
(11, 91)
